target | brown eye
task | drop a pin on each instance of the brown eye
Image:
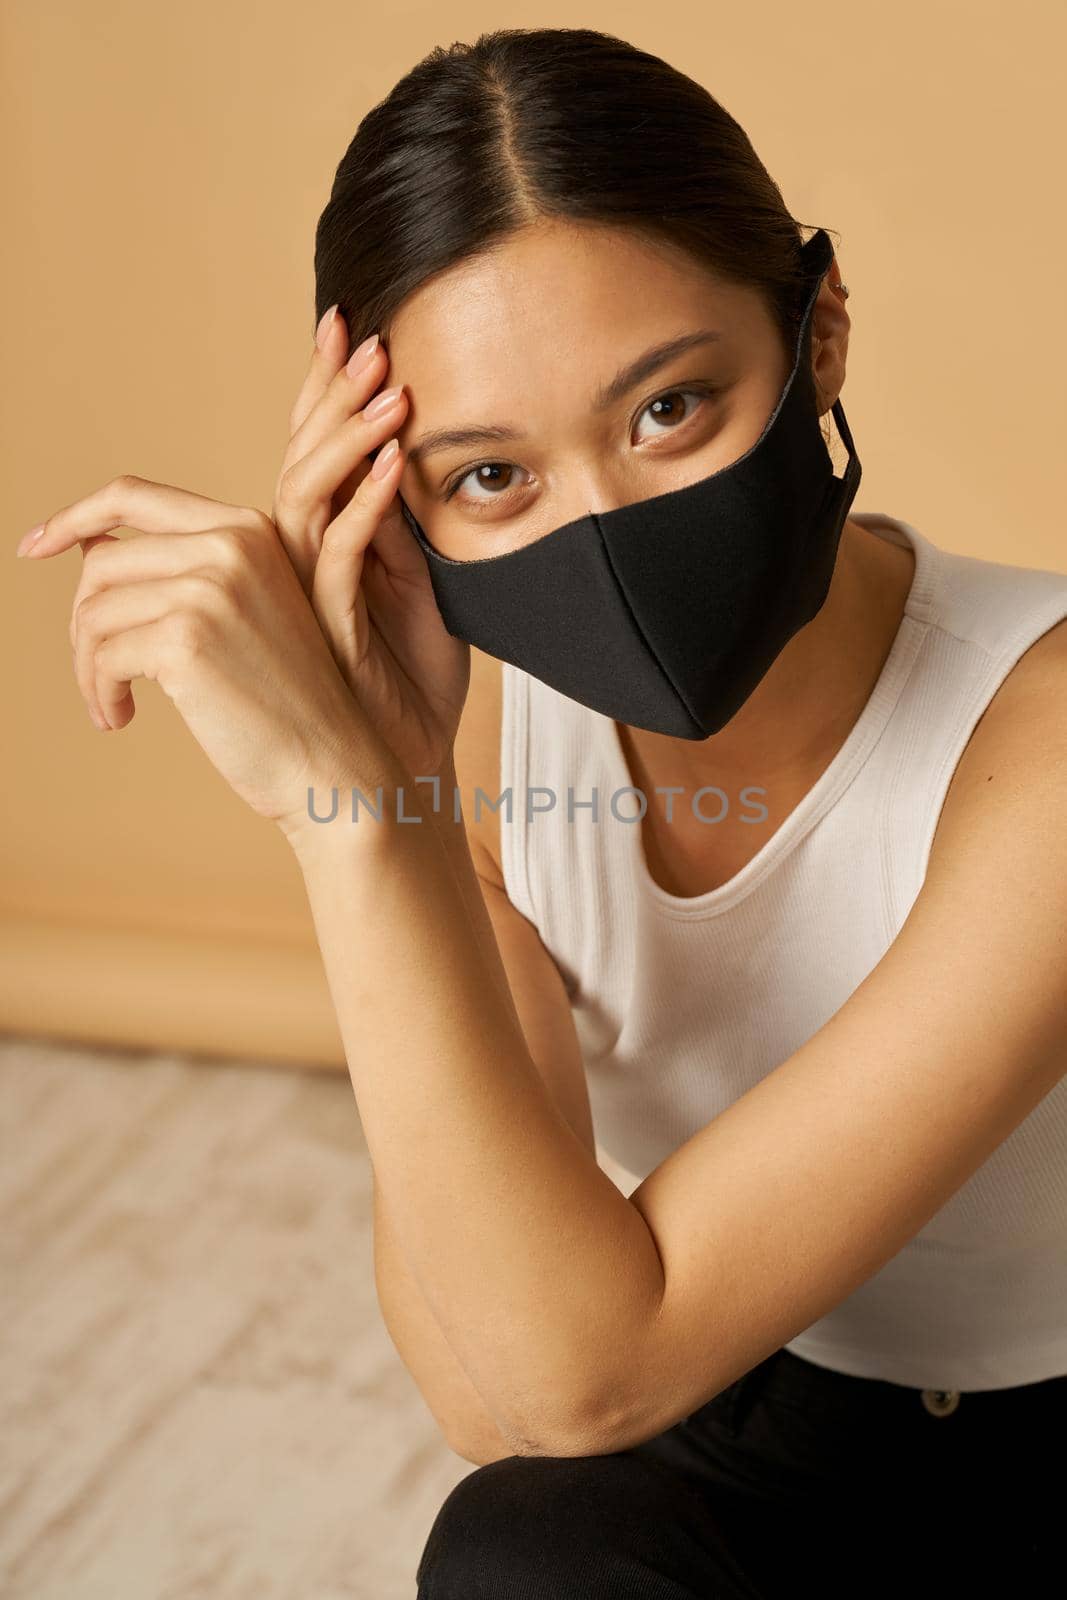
(493, 476)
(669, 410)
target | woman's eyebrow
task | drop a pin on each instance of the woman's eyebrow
(645, 365)
(657, 356)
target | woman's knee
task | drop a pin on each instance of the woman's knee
(501, 1520)
(572, 1528)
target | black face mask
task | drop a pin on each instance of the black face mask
(665, 614)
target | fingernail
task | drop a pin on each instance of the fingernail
(384, 459)
(28, 539)
(324, 326)
(383, 402)
(361, 355)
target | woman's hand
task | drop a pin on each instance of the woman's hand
(298, 652)
(358, 560)
(205, 600)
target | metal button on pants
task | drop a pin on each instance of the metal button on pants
(941, 1402)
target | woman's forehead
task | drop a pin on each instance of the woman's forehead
(557, 299)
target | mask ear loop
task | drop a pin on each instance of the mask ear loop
(852, 466)
(851, 475)
(817, 256)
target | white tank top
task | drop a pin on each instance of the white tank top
(682, 1004)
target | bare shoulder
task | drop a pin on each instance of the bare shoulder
(477, 761)
(1016, 757)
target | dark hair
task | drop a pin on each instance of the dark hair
(479, 139)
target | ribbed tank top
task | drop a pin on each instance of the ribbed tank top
(682, 1004)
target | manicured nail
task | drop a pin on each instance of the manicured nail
(324, 326)
(383, 402)
(29, 539)
(361, 355)
(384, 459)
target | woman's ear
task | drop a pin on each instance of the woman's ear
(829, 339)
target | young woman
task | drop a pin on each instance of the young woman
(803, 968)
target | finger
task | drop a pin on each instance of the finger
(97, 538)
(398, 549)
(311, 480)
(351, 389)
(114, 611)
(110, 561)
(336, 588)
(87, 546)
(136, 652)
(337, 385)
(329, 351)
(304, 505)
(131, 502)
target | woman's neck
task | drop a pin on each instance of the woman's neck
(799, 715)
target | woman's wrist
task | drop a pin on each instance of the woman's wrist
(380, 815)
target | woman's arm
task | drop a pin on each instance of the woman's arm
(458, 1408)
(545, 1016)
(587, 1320)
(497, 1204)
(547, 1024)
(809, 1183)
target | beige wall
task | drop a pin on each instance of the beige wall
(164, 168)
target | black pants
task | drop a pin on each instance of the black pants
(794, 1481)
